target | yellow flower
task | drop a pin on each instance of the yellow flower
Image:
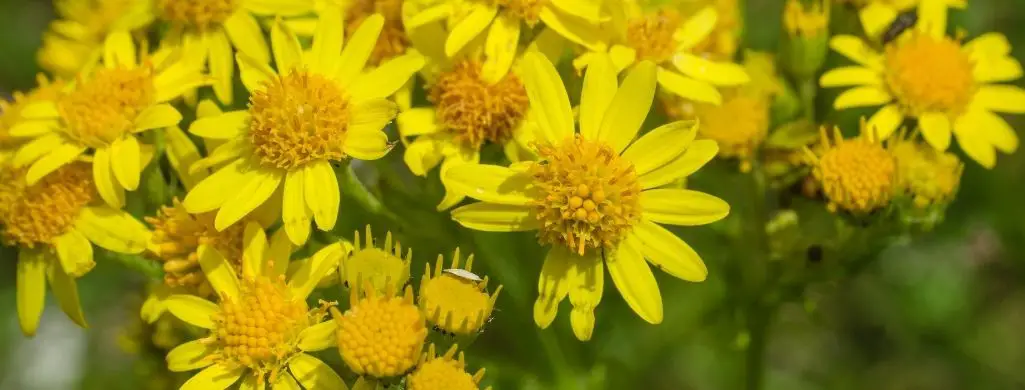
(467, 112)
(380, 267)
(262, 327)
(54, 223)
(104, 112)
(315, 109)
(76, 38)
(857, 175)
(444, 372)
(665, 38)
(207, 30)
(722, 42)
(10, 111)
(878, 15)
(453, 300)
(576, 21)
(596, 201)
(948, 87)
(393, 41)
(380, 335)
(928, 176)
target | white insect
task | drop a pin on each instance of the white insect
(464, 274)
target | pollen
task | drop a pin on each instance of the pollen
(10, 111)
(380, 335)
(453, 303)
(927, 175)
(393, 40)
(528, 11)
(297, 119)
(260, 330)
(199, 14)
(38, 214)
(381, 267)
(443, 372)
(651, 35)
(738, 125)
(474, 111)
(588, 197)
(857, 175)
(177, 236)
(104, 108)
(929, 74)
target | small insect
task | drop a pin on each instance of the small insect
(904, 21)
(463, 274)
(442, 331)
(815, 254)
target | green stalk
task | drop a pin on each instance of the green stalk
(355, 190)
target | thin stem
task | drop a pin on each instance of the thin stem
(758, 321)
(355, 190)
(807, 89)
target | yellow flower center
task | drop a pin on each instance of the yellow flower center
(441, 374)
(528, 11)
(297, 119)
(475, 111)
(393, 40)
(261, 329)
(588, 197)
(651, 35)
(927, 175)
(929, 74)
(34, 215)
(857, 175)
(738, 125)
(104, 108)
(454, 304)
(381, 336)
(200, 14)
(176, 237)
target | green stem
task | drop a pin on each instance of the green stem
(359, 193)
(807, 88)
(758, 320)
(756, 283)
(151, 269)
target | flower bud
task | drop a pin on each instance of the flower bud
(807, 27)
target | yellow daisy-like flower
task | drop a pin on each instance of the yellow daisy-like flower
(722, 42)
(444, 372)
(262, 327)
(393, 41)
(857, 175)
(10, 110)
(877, 15)
(382, 268)
(576, 21)
(54, 223)
(594, 194)
(207, 30)
(454, 299)
(316, 109)
(665, 38)
(928, 176)
(948, 87)
(76, 38)
(380, 335)
(467, 112)
(103, 113)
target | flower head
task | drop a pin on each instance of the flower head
(926, 175)
(444, 372)
(857, 175)
(594, 195)
(316, 109)
(10, 111)
(76, 38)
(380, 267)
(380, 335)
(454, 303)
(262, 327)
(54, 224)
(944, 84)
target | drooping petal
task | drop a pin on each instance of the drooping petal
(192, 355)
(600, 85)
(219, 272)
(181, 154)
(192, 309)
(669, 253)
(489, 183)
(462, 156)
(315, 374)
(260, 186)
(885, 121)
(215, 377)
(553, 285)
(629, 107)
(279, 253)
(990, 127)
(75, 253)
(367, 145)
(661, 145)
(634, 280)
(975, 146)
(103, 175)
(935, 129)
(31, 289)
(492, 217)
(682, 207)
(112, 229)
(312, 271)
(65, 289)
(548, 98)
(500, 47)
(319, 337)
(295, 214)
(697, 155)
(124, 159)
(422, 155)
(585, 293)
(322, 193)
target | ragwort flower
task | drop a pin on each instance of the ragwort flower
(381, 335)
(454, 299)
(595, 200)
(76, 38)
(857, 175)
(444, 372)
(382, 267)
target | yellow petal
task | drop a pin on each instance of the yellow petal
(585, 291)
(322, 194)
(230, 150)
(254, 74)
(635, 281)
(696, 29)
(857, 50)
(460, 157)
(219, 272)
(1001, 98)
(991, 127)
(466, 30)
(37, 148)
(40, 110)
(370, 116)
(885, 121)
(222, 66)
(209, 194)
(417, 121)
(573, 28)
(111, 192)
(119, 50)
(314, 374)
(669, 253)
(114, 230)
(245, 34)
(584, 9)
(988, 45)
(285, 46)
(31, 289)
(254, 246)
(32, 128)
(285, 8)
(629, 107)
(57, 158)
(548, 98)
(995, 70)
(850, 76)
(489, 183)
(124, 159)
(75, 253)
(65, 289)
(682, 207)
(294, 213)
(157, 117)
(697, 155)
(862, 97)
(192, 309)
(936, 130)
(181, 154)
(327, 40)
(500, 48)
(876, 17)
(224, 126)
(600, 85)
(660, 146)
(215, 377)
(357, 51)
(688, 88)
(177, 80)
(285, 382)
(428, 15)
(717, 73)
(260, 185)
(153, 307)
(552, 285)
(385, 80)
(492, 217)
(367, 145)
(932, 17)
(973, 145)
(319, 337)
(192, 355)
(312, 271)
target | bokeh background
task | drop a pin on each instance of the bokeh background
(945, 310)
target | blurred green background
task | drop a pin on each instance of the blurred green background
(945, 310)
